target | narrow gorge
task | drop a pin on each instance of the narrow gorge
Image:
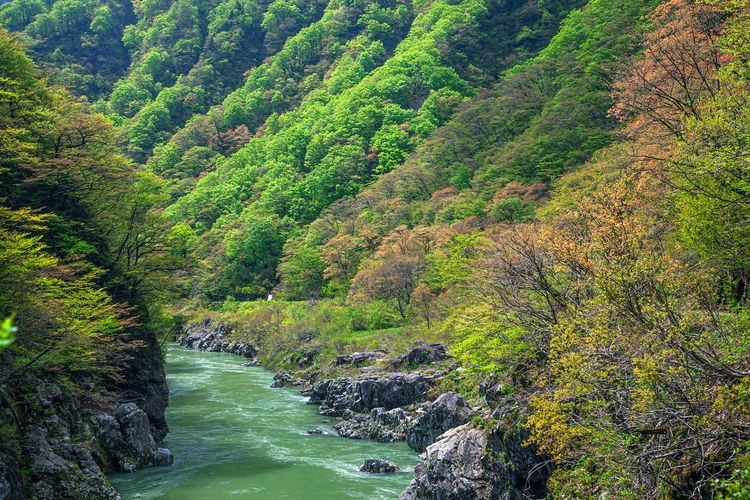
(416, 249)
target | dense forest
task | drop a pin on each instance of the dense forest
(557, 190)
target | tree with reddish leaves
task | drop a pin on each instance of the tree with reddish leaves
(678, 69)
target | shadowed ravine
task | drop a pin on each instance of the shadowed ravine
(234, 437)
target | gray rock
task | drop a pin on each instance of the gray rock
(452, 468)
(423, 354)
(4, 489)
(380, 424)
(446, 412)
(357, 358)
(162, 457)
(377, 466)
(42, 491)
(126, 466)
(364, 394)
(286, 379)
(136, 433)
(469, 463)
(214, 337)
(107, 430)
(252, 362)
(61, 467)
(493, 393)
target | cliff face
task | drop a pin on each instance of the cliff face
(59, 436)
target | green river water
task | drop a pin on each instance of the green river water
(234, 437)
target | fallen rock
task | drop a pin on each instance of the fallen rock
(252, 362)
(423, 354)
(162, 457)
(446, 412)
(377, 466)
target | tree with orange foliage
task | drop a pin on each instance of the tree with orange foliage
(393, 271)
(678, 69)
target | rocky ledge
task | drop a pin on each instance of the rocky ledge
(366, 393)
(422, 354)
(208, 335)
(380, 424)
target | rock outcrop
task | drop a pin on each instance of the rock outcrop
(377, 466)
(68, 443)
(423, 354)
(446, 412)
(468, 463)
(286, 379)
(363, 394)
(517, 470)
(452, 468)
(208, 335)
(357, 358)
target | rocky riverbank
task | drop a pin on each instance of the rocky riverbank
(467, 451)
(70, 433)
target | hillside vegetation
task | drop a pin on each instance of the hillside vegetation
(556, 190)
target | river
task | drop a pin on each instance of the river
(234, 437)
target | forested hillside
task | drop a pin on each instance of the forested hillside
(80, 248)
(556, 190)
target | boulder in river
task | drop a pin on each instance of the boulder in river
(377, 466)
(446, 412)
(162, 457)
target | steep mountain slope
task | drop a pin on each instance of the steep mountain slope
(555, 190)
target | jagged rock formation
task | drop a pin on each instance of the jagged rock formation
(471, 463)
(380, 424)
(68, 442)
(446, 412)
(364, 394)
(286, 379)
(357, 358)
(452, 468)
